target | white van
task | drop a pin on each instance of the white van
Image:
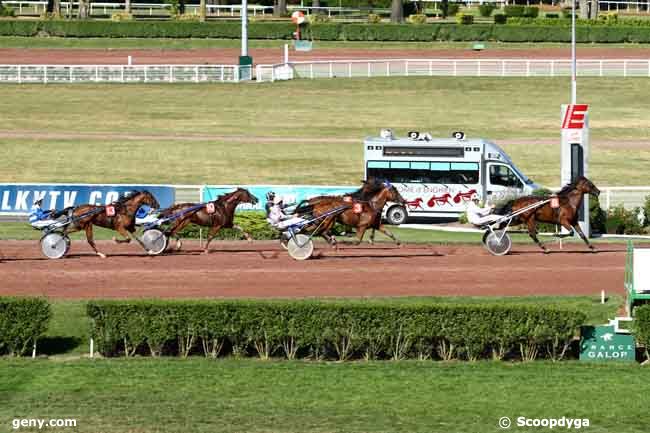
(438, 176)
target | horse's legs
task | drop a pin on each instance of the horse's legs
(372, 236)
(361, 230)
(385, 231)
(532, 232)
(581, 234)
(176, 227)
(248, 237)
(128, 236)
(91, 241)
(211, 235)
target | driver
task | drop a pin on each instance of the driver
(478, 215)
(275, 214)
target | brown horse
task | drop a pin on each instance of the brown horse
(569, 200)
(362, 214)
(118, 216)
(216, 214)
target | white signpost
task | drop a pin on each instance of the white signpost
(575, 151)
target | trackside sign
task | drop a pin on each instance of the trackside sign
(18, 198)
(602, 343)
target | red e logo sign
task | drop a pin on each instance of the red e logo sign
(574, 118)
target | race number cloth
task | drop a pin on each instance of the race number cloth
(110, 211)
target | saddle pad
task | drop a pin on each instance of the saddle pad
(357, 208)
(110, 211)
(555, 202)
(209, 208)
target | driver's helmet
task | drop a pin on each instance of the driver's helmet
(143, 211)
(270, 196)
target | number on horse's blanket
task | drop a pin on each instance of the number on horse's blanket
(555, 202)
(347, 199)
(209, 208)
(357, 208)
(110, 211)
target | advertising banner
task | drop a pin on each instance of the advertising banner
(288, 193)
(18, 198)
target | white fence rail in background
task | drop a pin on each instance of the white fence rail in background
(122, 73)
(453, 67)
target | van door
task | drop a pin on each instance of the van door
(502, 182)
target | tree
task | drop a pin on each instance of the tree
(396, 11)
(84, 9)
(280, 8)
(202, 10)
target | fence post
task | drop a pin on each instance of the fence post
(455, 69)
(649, 60)
(171, 74)
(311, 71)
(221, 76)
(528, 68)
(70, 74)
(331, 74)
(600, 65)
(20, 74)
(478, 68)
(97, 74)
(122, 74)
(145, 74)
(196, 74)
(45, 74)
(552, 68)
(388, 69)
(350, 70)
(406, 67)
(503, 68)
(625, 68)
(431, 68)
(369, 71)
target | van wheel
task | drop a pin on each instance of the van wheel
(396, 215)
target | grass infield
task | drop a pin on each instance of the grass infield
(304, 131)
(227, 395)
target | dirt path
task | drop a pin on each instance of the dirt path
(261, 269)
(83, 56)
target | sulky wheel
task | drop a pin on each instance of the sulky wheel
(154, 241)
(55, 245)
(300, 247)
(498, 242)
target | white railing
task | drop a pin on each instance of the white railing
(628, 196)
(123, 73)
(454, 67)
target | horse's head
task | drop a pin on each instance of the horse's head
(393, 193)
(370, 187)
(149, 199)
(586, 186)
(242, 195)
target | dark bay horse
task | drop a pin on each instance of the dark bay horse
(118, 216)
(566, 214)
(216, 214)
(362, 214)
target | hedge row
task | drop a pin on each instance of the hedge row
(350, 32)
(642, 327)
(22, 322)
(331, 330)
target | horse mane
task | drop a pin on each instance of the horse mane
(126, 197)
(568, 188)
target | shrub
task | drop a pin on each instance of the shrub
(500, 18)
(552, 15)
(567, 12)
(319, 19)
(622, 221)
(597, 216)
(513, 10)
(253, 223)
(417, 19)
(22, 322)
(121, 16)
(452, 9)
(646, 211)
(465, 19)
(335, 330)
(6, 11)
(374, 19)
(641, 327)
(486, 9)
(531, 12)
(187, 17)
(608, 18)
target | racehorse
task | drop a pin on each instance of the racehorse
(362, 215)
(216, 214)
(118, 216)
(566, 214)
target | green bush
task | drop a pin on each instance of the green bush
(513, 11)
(622, 221)
(567, 12)
(121, 16)
(22, 322)
(597, 216)
(465, 19)
(486, 9)
(500, 18)
(6, 11)
(531, 12)
(609, 18)
(452, 9)
(642, 327)
(253, 223)
(552, 15)
(331, 330)
(417, 19)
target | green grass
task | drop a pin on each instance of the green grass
(177, 43)
(171, 395)
(179, 133)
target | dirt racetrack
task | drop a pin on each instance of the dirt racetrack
(61, 56)
(262, 269)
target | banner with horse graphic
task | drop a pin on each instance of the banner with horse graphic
(18, 198)
(288, 193)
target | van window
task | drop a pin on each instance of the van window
(502, 175)
(424, 172)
